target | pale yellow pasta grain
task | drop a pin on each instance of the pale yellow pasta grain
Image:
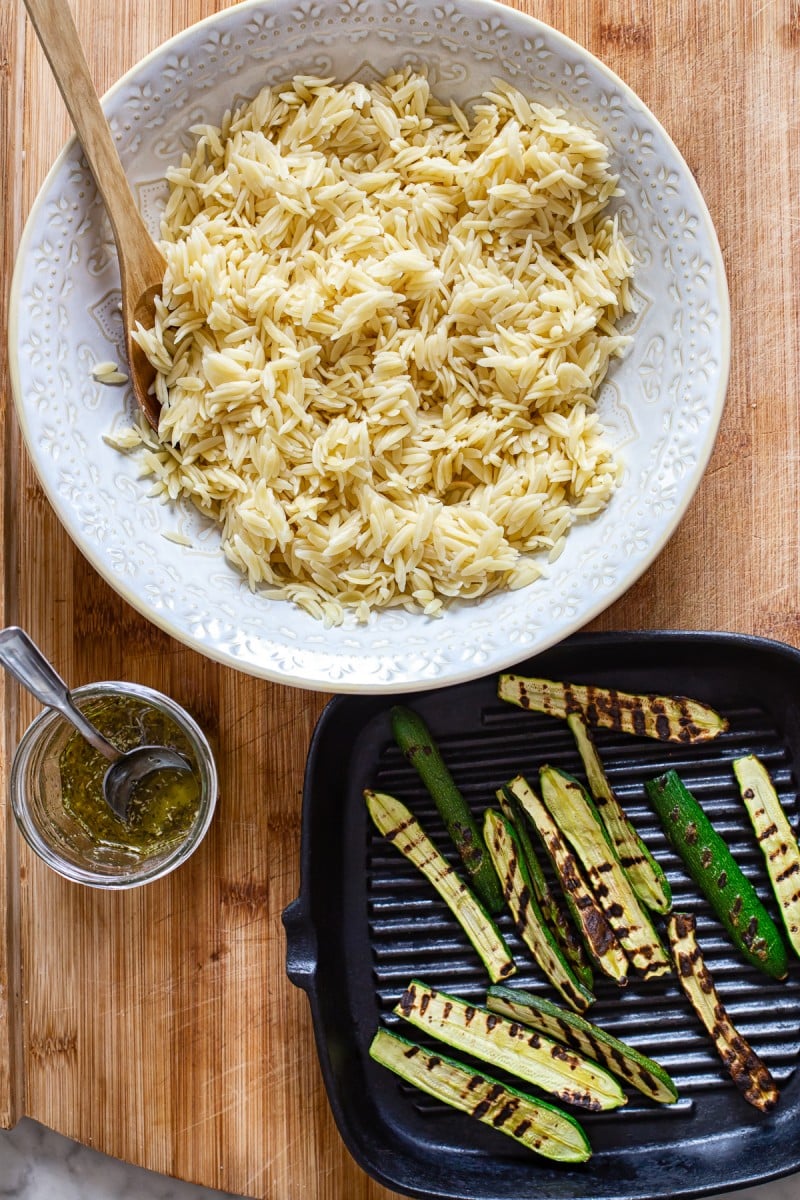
(383, 328)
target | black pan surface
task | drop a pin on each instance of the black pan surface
(365, 923)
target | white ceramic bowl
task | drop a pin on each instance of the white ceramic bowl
(662, 403)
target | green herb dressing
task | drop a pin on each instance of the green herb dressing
(163, 806)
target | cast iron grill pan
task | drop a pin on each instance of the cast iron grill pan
(366, 923)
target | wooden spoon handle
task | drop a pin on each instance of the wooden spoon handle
(55, 29)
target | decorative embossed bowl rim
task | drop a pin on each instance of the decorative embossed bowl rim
(662, 403)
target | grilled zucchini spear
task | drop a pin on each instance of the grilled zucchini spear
(747, 1070)
(646, 876)
(507, 856)
(539, 1126)
(529, 1056)
(777, 841)
(599, 938)
(554, 909)
(397, 824)
(577, 818)
(641, 1072)
(668, 718)
(414, 739)
(717, 874)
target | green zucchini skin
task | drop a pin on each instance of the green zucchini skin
(598, 936)
(579, 1034)
(776, 839)
(574, 811)
(417, 744)
(509, 861)
(646, 876)
(530, 1056)
(668, 718)
(749, 1073)
(719, 877)
(541, 1127)
(554, 910)
(391, 818)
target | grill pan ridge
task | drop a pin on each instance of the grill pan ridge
(365, 922)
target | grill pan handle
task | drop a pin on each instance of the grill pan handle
(301, 944)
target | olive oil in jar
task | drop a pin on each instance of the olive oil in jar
(165, 803)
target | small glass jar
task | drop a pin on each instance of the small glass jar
(59, 838)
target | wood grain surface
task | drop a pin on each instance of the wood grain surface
(159, 1026)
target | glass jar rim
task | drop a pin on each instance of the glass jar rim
(49, 717)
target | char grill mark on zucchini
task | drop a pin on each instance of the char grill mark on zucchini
(719, 877)
(646, 876)
(518, 890)
(400, 827)
(599, 938)
(575, 1031)
(577, 818)
(776, 839)
(747, 1070)
(554, 910)
(668, 718)
(533, 1123)
(417, 744)
(507, 1044)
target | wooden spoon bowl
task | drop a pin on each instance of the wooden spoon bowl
(141, 263)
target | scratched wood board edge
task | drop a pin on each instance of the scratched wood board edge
(614, 31)
(232, 1096)
(11, 1046)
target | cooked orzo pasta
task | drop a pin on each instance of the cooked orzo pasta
(383, 327)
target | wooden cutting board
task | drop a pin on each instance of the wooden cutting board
(159, 1026)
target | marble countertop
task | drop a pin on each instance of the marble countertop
(37, 1164)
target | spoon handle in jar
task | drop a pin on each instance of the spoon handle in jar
(23, 659)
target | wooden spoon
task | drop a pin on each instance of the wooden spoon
(141, 263)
